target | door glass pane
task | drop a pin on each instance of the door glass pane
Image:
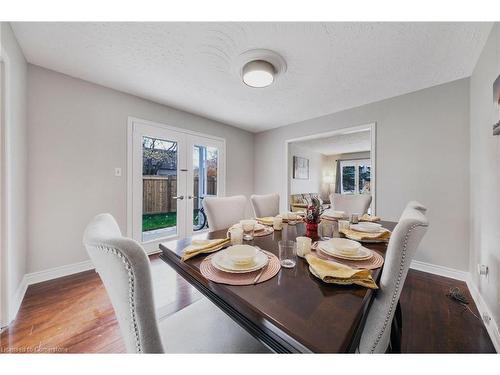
(364, 179)
(159, 187)
(205, 168)
(348, 179)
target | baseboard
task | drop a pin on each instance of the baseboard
(440, 270)
(17, 299)
(491, 326)
(67, 270)
(56, 272)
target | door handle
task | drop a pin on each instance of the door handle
(179, 198)
(191, 197)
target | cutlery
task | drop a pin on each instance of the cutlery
(257, 278)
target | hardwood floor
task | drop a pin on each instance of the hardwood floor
(73, 315)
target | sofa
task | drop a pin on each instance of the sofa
(299, 202)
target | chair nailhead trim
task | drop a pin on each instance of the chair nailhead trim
(398, 281)
(131, 292)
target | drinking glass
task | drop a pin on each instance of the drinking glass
(303, 246)
(328, 229)
(236, 235)
(248, 229)
(343, 224)
(287, 253)
(278, 223)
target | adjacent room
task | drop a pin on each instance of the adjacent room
(250, 187)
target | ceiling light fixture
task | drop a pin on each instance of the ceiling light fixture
(259, 67)
(258, 73)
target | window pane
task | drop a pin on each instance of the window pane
(159, 186)
(205, 166)
(364, 179)
(348, 179)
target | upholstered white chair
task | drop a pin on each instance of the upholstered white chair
(124, 268)
(418, 206)
(224, 212)
(351, 203)
(265, 205)
(401, 249)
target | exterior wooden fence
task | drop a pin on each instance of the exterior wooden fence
(158, 193)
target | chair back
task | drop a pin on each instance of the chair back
(351, 203)
(124, 268)
(265, 205)
(224, 212)
(401, 249)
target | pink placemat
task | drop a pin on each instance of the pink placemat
(213, 274)
(376, 261)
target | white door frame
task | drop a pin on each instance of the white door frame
(373, 156)
(132, 122)
(6, 313)
(3, 250)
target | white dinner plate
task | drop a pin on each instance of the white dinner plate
(329, 213)
(222, 262)
(258, 227)
(366, 229)
(363, 252)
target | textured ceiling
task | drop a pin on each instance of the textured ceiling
(339, 144)
(191, 66)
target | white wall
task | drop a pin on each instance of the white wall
(422, 153)
(485, 176)
(77, 136)
(14, 166)
(313, 184)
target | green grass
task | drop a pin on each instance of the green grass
(158, 221)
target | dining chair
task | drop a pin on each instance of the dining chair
(265, 205)
(418, 206)
(351, 203)
(224, 212)
(402, 246)
(124, 269)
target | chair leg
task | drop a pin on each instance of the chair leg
(396, 330)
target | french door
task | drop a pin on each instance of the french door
(172, 171)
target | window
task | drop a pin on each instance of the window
(355, 176)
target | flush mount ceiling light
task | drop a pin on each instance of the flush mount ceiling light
(259, 67)
(258, 73)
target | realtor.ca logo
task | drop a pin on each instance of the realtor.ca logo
(32, 349)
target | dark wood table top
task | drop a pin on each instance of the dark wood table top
(292, 312)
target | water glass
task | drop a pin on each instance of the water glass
(248, 229)
(277, 223)
(343, 224)
(328, 229)
(303, 246)
(236, 235)
(287, 253)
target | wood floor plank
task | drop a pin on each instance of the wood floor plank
(74, 315)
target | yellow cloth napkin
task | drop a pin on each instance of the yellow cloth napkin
(363, 236)
(336, 273)
(203, 247)
(370, 218)
(268, 220)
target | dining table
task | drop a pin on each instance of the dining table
(293, 312)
